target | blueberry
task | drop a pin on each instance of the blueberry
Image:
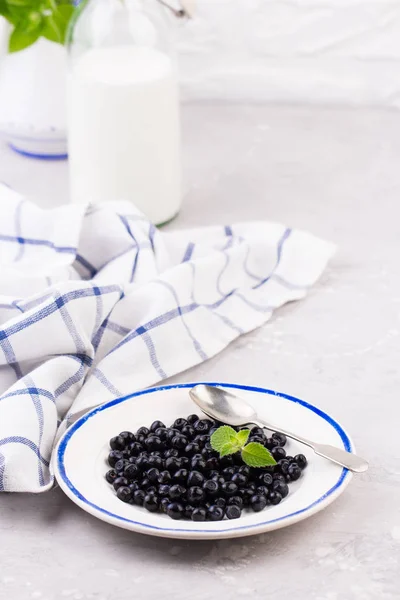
(133, 487)
(228, 472)
(215, 513)
(195, 495)
(176, 492)
(212, 430)
(199, 514)
(301, 461)
(179, 424)
(143, 431)
(229, 488)
(195, 478)
(175, 510)
(188, 511)
(151, 490)
(153, 474)
(278, 453)
(111, 476)
(198, 464)
(117, 443)
(128, 436)
(240, 479)
(233, 511)
(262, 490)
(155, 461)
(188, 431)
(203, 426)
(171, 433)
(138, 497)
(179, 442)
(211, 488)
(192, 449)
(207, 454)
(135, 449)
(272, 442)
(283, 466)
(151, 503)
(279, 477)
(220, 502)
(140, 438)
(114, 457)
(163, 490)
(281, 487)
(120, 482)
(192, 419)
(244, 470)
(162, 433)
(201, 440)
(172, 452)
(164, 503)
(259, 440)
(274, 497)
(257, 431)
(236, 500)
(153, 443)
(164, 477)
(173, 464)
(294, 471)
(280, 438)
(157, 425)
(181, 475)
(265, 479)
(258, 502)
(219, 479)
(131, 471)
(120, 465)
(124, 493)
(145, 483)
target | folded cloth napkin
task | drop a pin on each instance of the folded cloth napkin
(95, 303)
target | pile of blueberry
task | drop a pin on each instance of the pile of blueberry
(174, 470)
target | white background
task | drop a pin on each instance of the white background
(325, 51)
(312, 51)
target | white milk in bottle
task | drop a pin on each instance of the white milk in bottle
(124, 133)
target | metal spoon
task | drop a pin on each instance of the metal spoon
(228, 408)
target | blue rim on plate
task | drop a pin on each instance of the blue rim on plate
(342, 479)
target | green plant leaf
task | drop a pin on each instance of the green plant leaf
(20, 38)
(56, 23)
(256, 455)
(222, 436)
(242, 436)
(228, 448)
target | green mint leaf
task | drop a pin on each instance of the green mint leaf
(228, 448)
(242, 436)
(20, 39)
(224, 435)
(255, 455)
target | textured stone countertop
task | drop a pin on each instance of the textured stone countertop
(335, 173)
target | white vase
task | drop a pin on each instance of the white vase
(32, 99)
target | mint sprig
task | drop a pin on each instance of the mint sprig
(225, 440)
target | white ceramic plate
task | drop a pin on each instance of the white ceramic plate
(80, 461)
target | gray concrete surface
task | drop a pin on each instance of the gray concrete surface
(333, 172)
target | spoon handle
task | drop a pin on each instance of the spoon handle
(337, 455)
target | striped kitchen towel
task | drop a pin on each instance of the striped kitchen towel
(95, 303)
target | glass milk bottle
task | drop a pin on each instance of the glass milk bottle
(123, 107)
